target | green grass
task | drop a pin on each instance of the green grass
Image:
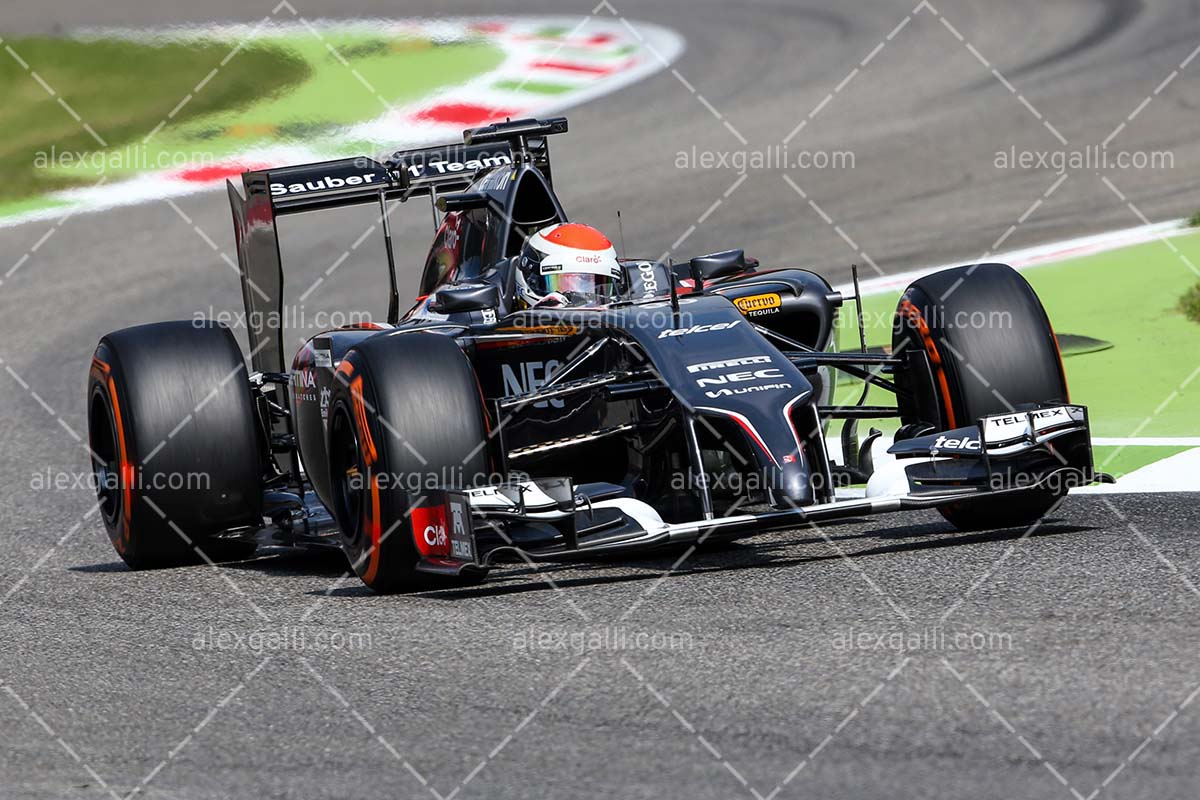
(122, 90)
(286, 88)
(1189, 304)
(1128, 297)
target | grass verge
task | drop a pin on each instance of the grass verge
(1128, 297)
(123, 90)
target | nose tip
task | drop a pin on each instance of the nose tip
(792, 486)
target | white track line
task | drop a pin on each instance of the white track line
(1034, 256)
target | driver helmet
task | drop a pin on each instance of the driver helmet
(568, 264)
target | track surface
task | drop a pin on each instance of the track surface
(102, 671)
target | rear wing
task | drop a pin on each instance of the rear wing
(423, 172)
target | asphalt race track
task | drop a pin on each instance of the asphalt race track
(885, 657)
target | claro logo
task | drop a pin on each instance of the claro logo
(323, 184)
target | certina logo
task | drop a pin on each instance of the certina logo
(716, 326)
(528, 377)
(758, 304)
(322, 184)
(956, 443)
(770, 374)
(708, 366)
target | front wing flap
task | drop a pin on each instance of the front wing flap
(554, 520)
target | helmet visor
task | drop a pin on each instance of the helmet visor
(580, 283)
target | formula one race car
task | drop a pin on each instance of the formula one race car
(626, 404)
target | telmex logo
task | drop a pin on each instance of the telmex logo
(324, 183)
(758, 302)
(716, 326)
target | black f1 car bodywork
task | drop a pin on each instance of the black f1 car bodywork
(470, 430)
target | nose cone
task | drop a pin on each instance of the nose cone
(791, 484)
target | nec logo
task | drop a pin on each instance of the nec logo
(716, 326)
(529, 376)
(770, 374)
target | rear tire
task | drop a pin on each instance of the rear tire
(406, 417)
(174, 452)
(992, 350)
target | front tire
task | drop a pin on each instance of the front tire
(406, 418)
(992, 350)
(174, 453)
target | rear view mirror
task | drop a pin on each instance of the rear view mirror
(473, 297)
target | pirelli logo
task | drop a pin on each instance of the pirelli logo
(757, 304)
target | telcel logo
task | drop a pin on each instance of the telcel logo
(956, 443)
(716, 326)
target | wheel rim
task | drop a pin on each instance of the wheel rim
(105, 450)
(346, 472)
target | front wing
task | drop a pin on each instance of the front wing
(1046, 448)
